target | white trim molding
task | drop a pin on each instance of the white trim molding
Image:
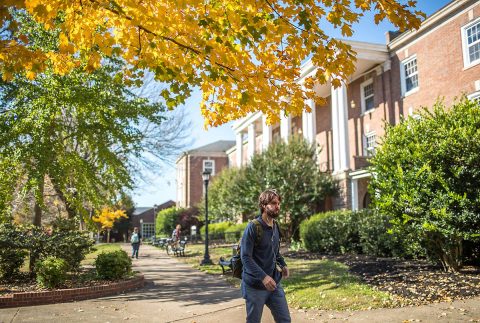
(474, 26)
(211, 166)
(363, 98)
(407, 65)
(474, 96)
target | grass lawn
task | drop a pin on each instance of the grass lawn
(99, 248)
(317, 284)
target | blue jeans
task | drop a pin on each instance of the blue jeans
(135, 247)
(255, 299)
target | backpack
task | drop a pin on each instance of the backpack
(237, 265)
(135, 238)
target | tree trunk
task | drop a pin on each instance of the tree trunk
(68, 206)
(37, 217)
(108, 235)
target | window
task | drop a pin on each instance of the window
(369, 144)
(147, 230)
(409, 75)
(209, 165)
(471, 43)
(366, 89)
(475, 96)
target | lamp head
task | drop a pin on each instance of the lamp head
(206, 176)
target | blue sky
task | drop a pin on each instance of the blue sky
(164, 187)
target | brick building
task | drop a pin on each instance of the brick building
(190, 166)
(143, 218)
(441, 60)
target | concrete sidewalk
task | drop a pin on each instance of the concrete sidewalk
(175, 292)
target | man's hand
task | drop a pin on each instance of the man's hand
(285, 272)
(269, 283)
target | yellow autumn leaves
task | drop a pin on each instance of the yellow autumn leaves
(107, 217)
(245, 55)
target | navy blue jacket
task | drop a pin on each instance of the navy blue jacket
(259, 260)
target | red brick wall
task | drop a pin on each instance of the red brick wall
(67, 295)
(440, 67)
(195, 184)
(323, 116)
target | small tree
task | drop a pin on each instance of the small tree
(291, 168)
(107, 218)
(167, 220)
(426, 176)
(225, 204)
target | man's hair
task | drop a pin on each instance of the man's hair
(266, 197)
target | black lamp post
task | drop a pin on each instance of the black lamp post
(206, 259)
(154, 223)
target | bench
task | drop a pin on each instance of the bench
(227, 264)
(171, 247)
(180, 251)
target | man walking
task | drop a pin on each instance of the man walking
(263, 266)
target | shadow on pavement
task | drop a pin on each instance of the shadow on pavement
(167, 280)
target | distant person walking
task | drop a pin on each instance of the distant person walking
(263, 266)
(135, 240)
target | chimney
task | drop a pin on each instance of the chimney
(391, 35)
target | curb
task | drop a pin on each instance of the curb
(71, 294)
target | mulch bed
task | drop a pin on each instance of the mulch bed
(411, 282)
(23, 283)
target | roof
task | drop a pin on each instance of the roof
(217, 146)
(443, 15)
(143, 209)
(139, 210)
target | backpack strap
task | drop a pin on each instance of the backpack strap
(259, 229)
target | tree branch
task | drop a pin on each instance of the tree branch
(189, 48)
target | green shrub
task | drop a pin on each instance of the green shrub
(70, 245)
(12, 250)
(113, 265)
(166, 220)
(426, 177)
(216, 230)
(375, 239)
(235, 232)
(362, 231)
(11, 260)
(51, 272)
(331, 232)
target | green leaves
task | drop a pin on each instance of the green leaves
(288, 167)
(427, 171)
(77, 131)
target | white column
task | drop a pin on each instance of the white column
(266, 133)
(251, 141)
(285, 126)
(239, 149)
(340, 129)
(343, 128)
(309, 124)
(354, 183)
(335, 136)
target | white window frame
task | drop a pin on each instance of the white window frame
(404, 78)
(212, 173)
(466, 56)
(369, 151)
(474, 96)
(363, 98)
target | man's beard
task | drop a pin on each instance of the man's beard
(273, 214)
